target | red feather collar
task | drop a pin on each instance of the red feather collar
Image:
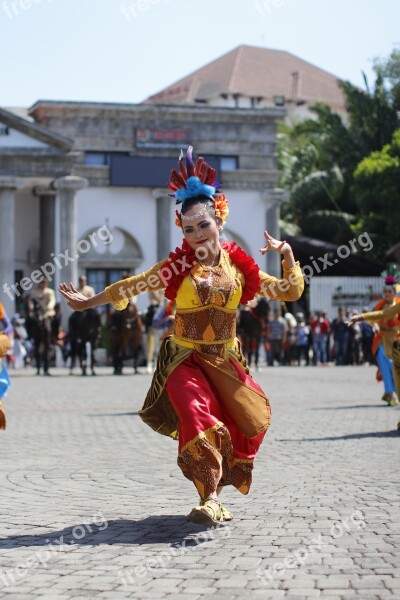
(179, 263)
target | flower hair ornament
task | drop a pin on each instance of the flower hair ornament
(195, 180)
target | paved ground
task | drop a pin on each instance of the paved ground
(93, 505)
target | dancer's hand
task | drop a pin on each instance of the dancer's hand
(354, 319)
(75, 300)
(273, 244)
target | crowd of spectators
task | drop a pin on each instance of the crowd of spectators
(288, 339)
(296, 340)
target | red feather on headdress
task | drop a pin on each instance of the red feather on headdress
(198, 166)
(176, 181)
(182, 169)
(187, 169)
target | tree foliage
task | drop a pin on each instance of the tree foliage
(376, 187)
(319, 159)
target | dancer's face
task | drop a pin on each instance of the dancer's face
(202, 232)
(389, 293)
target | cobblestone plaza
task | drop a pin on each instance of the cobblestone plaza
(93, 504)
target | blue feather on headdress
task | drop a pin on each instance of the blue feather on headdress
(194, 188)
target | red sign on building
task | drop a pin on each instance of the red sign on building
(163, 138)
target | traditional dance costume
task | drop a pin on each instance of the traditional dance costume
(202, 393)
(382, 343)
(4, 347)
(389, 319)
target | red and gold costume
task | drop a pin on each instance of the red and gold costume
(389, 319)
(202, 393)
(389, 326)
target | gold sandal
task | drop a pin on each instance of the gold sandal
(207, 514)
(226, 515)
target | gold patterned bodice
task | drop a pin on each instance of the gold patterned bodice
(206, 306)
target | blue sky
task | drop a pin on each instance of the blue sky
(126, 50)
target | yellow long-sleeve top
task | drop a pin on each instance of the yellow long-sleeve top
(207, 299)
(377, 315)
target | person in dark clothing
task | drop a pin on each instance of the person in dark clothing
(340, 338)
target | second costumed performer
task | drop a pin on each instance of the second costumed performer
(202, 393)
(389, 314)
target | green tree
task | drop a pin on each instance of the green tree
(318, 156)
(377, 190)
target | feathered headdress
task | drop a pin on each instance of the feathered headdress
(392, 277)
(195, 180)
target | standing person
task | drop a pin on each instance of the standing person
(202, 393)
(84, 288)
(320, 328)
(355, 341)
(367, 335)
(387, 329)
(5, 323)
(152, 334)
(6, 330)
(41, 310)
(340, 337)
(302, 335)
(278, 328)
(290, 354)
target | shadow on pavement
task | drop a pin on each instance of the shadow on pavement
(123, 414)
(175, 530)
(351, 406)
(351, 436)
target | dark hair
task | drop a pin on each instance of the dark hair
(188, 204)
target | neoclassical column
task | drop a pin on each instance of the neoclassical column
(8, 187)
(163, 223)
(272, 226)
(67, 187)
(47, 221)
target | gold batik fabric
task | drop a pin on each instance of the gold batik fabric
(248, 408)
(214, 285)
(206, 320)
(209, 329)
(157, 411)
(208, 462)
(396, 365)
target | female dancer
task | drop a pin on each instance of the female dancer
(382, 343)
(390, 316)
(202, 393)
(4, 347)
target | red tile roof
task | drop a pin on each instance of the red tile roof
(259, 73)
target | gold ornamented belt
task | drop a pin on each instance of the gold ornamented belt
(209, 325)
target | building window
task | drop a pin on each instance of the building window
(229, 163)
(4, 130)
(96, 159)
(101, 278)
(101, 159)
